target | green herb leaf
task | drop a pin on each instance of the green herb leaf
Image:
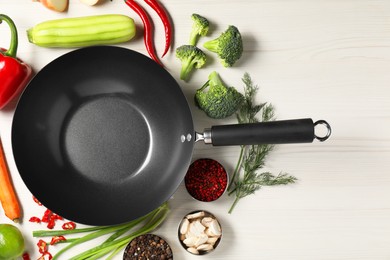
(246, 179)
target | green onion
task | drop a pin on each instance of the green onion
(120, 236)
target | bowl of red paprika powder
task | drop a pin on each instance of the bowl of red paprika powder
(206, 180)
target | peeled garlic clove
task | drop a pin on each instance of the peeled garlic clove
(205, 247)
(201, 240)
(212, 240)
(190, 241)
(189, 234)
(196, 215)
(215, 228)
(196, 228)
(209, 233)
(206, 221)
(184, 226)
(193, 250)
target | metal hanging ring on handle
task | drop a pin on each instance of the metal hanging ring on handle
(329, 132)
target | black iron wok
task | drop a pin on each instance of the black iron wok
(103, 135)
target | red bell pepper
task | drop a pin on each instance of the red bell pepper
(14, 73)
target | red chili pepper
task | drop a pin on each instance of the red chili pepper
(57, 239)
(69, 225)
(166, 22)
(42, 246)
(148, 28)
(35, 220)
(14, 73)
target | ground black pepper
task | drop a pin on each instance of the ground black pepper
(147, 247)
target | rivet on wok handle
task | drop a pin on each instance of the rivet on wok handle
(273, 132)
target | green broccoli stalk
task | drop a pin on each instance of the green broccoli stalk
(219, 101)
(228, 46)
(191, 57)
(200, 27)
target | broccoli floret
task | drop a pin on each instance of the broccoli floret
(191, 57)
(219, 101)
(228, 46)
(200, 27)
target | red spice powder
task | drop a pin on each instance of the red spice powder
(206, 179)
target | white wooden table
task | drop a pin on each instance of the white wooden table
(320, 59)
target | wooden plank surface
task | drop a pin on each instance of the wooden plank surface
(320, 59)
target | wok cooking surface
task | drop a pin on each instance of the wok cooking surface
(97, 135)
(99, 132)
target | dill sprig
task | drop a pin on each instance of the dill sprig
(246, 179)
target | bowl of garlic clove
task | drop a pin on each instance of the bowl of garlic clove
(199, 232)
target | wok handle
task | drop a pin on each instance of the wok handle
(273, 132)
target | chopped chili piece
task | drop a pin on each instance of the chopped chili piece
(57, 239)
(166, 22)
(46, 254)
(42, 246)
(26, 256)
(36, 201)
(148, 28)
(57, 217)
(46, 216)
(35, 220)
(69, 225)
(52, 222)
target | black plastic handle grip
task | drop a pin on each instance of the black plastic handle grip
(273, 132)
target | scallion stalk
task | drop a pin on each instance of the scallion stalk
(155, 220)
(115, 242)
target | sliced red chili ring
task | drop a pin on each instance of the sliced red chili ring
(36, 201)
(35, 220)
(46, 216)
(51, 223)
(69, 225)
(46, 254)
(57, 239)
(42, 246)
(57, 217)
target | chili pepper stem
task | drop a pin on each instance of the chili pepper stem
(11, 52)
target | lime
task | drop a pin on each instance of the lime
(11, 242)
